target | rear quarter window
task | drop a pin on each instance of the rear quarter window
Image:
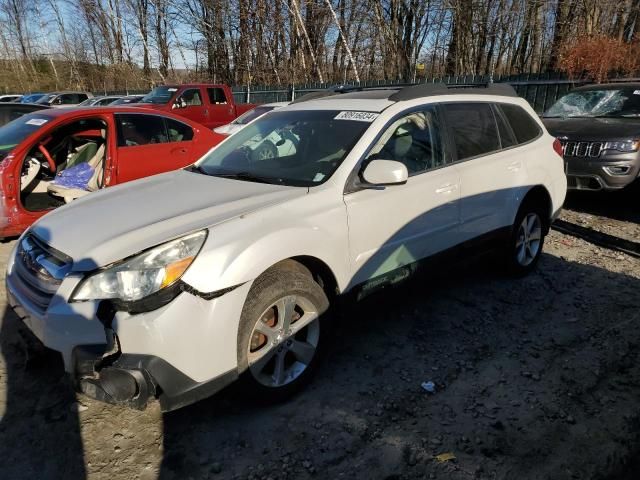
(178, 132)
(523, 125)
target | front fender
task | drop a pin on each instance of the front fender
(238, 261)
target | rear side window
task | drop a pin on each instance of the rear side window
(134, 130)
(216, 96)
(178, 131)
(524, 127)
(473, 128)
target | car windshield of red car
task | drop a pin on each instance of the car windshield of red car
(16, 131)
(159, 95)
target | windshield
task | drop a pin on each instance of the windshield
(32, 97)
(251, 115)
(620, 102)
(88, 102)
(297, 148)
(124, 100)
(46, 98)
(159, 95)
(14, 132)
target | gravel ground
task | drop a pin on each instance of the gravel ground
(534, 378)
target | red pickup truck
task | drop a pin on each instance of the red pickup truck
(208, 104)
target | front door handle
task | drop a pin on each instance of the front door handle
(447, 188)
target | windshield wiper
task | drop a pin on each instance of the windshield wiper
(247, 176)
(195, 168)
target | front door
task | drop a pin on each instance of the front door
(393, 227)
(190, 104)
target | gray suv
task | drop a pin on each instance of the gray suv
(599, 128)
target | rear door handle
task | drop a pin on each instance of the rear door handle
(514, 166)
(447, 188)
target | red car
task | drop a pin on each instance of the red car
(211, 105)
(118, 143)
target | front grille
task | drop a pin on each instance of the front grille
(38, 271)
(582, 149)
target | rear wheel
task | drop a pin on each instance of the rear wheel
(527, 239)
(282, 332)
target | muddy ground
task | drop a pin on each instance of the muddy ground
(535, 378)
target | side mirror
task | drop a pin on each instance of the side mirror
(385, 172)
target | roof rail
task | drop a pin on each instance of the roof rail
(428, 89)
(623, 80)
(339, 89)
(410, 91)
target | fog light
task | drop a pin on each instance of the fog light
(617, 170)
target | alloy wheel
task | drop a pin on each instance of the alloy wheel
(284, 341)
(529, 239)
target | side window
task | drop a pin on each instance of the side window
(178, 131)
(190, 98)
(473, 128)
(81, 97)
(68, 99)
(507, 138)
(216, 96)
(12, 115)
(138, 129)
(414, 140)
(524, 127)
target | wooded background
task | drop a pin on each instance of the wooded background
(102, 45)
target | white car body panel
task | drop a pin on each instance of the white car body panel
(198, 325)
(424, 226)
(204, 202)
(358, 235)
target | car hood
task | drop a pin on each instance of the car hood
(117, 222)
(228, 129)
(593, 129)
(154, 106)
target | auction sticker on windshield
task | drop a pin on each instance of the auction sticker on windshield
(357, 116)
(36, 121)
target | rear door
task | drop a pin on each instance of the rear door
(395, 226)
(150, 144)
(190, 103)
(221, 108)
(490, 170)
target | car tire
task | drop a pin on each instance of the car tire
(265, 151)
(277, 355)
(526, 241)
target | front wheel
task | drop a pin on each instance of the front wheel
(527, 239)
(282, 332)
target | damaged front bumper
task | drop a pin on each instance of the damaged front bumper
(104, 373)
(179, 353)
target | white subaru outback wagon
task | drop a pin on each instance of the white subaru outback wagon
(174, 286)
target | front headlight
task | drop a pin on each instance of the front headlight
(623, 146)
(142, 275)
